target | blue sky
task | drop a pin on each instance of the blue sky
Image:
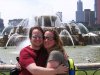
(11, 9)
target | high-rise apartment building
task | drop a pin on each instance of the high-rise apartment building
(89, 17)
(97, 11)
(1, 24)
(79, 12)
(92, 18)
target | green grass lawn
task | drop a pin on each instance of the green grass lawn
(4, 73)
(90, 72)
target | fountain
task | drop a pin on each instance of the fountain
(7, 30)
(80, 34)
(14, 35)
(72, 34)
(91, 38)
(16, 40)
(47, 21)
(65, 35)
(82, 28)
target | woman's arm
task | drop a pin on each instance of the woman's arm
(55, 59)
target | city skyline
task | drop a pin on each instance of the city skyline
(15, 9)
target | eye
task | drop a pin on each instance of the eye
(37, 36)
(49, 37)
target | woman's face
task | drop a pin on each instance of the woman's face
(49, 41)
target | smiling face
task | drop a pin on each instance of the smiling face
(36, 38)
(49, 41)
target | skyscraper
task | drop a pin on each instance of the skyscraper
(97, 11)
(79, 6)
(79, 12)
(1, 24)
(89, 17)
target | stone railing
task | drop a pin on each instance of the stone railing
(83, 67)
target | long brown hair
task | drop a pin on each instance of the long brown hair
(59, 42)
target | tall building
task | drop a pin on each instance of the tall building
(89, 17)
(92, 18)
(85, 16)
(79, 12)
(79, 5)
(97, 11)
(1, 24)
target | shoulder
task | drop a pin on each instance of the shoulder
(54, 52)
(56, 55)
(25, 50)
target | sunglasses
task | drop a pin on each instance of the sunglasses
(37, 36)
(48, 38)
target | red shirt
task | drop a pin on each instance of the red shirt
(28, 56)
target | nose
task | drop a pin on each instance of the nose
(46, 39)
(37, 38)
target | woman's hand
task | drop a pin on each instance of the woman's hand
(61, 69)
